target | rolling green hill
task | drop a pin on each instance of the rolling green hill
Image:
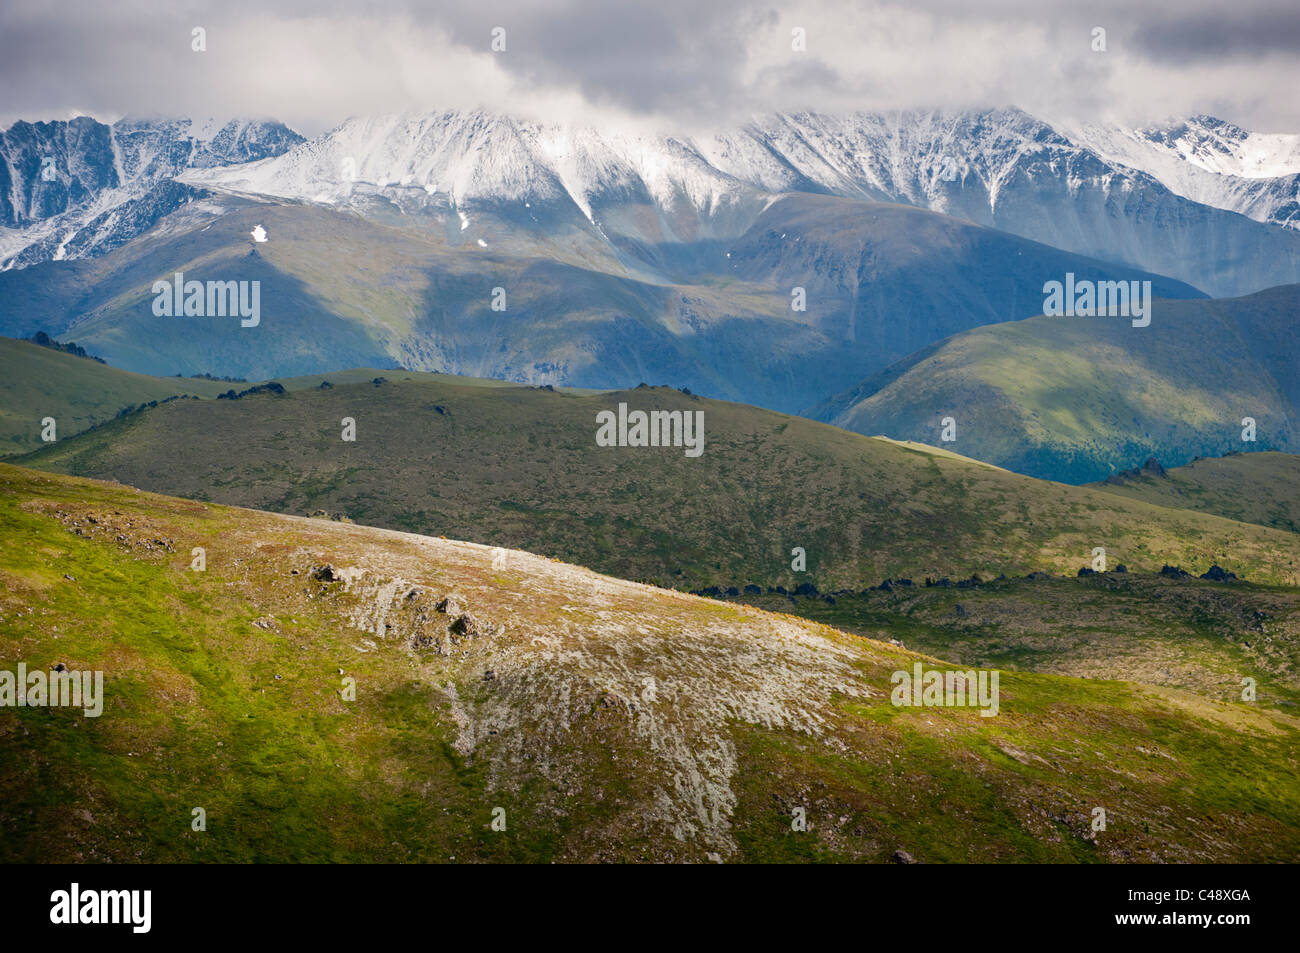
(1199, 635)
(1261, 488)
(519, 467)
(329, 692)
(1077, 399)
(38, 382)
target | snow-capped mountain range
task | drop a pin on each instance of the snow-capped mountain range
(1209, 161)
(1154, 198)
(80, 188)
(912, 157)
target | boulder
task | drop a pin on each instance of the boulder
(467, 627)
(1217, 573)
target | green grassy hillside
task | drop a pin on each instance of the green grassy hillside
(1077, 399)
(38, 382)
(597, 719)
(1194, 634)
(519, 467)
(1261, 488)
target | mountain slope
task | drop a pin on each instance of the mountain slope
(652, 196)
(1261, 488)
(1198, 635)
(592, 719)
(37, 382)
(520, 467)
(1076, 399)
(341, 290)
(81, 188)
(1209, 161)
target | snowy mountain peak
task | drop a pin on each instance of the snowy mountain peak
(80, 187)
(491, 180)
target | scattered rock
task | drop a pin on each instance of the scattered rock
(467, 627)
(325, 573)
(1153, 467)
(1013, 752)
(902, 857)
(1217, 573)
(451, 605)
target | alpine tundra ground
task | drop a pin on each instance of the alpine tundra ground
(592, 718)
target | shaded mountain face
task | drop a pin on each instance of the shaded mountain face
(816, 292)
(79, 188)
(652, 198)
(521, 467)
(1078, 399)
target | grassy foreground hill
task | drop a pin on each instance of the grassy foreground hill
(1078, 399)
(1261, 488)
(594, 719)
(519, 467)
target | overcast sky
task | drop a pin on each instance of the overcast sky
(676, 62)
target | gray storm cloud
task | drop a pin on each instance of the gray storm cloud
(313, 64)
